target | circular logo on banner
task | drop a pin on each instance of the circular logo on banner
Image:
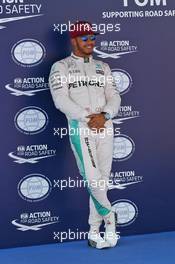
(124, 147)
(31, 120)
(126, 211)
(122, 80)
(28, 52)
(34, 187)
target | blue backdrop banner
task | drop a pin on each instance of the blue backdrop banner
(42, 200)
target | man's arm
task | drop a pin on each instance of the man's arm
(113, 98)
(58, 82)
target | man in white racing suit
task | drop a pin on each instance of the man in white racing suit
(84, 90)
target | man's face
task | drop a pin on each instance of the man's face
(85, 44)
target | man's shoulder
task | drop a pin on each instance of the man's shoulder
(62, 61)
(60, 64)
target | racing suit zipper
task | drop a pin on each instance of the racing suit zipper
(90, 101)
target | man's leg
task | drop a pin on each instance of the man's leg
(104, 151)
(104, 158)
(84, 148)
(95, 219)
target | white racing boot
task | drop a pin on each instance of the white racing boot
(95, 240)
(111, 236)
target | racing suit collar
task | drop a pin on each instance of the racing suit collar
(81, 59)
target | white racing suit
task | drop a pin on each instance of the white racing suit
(79, 87)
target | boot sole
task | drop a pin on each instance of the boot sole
(93, 244)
